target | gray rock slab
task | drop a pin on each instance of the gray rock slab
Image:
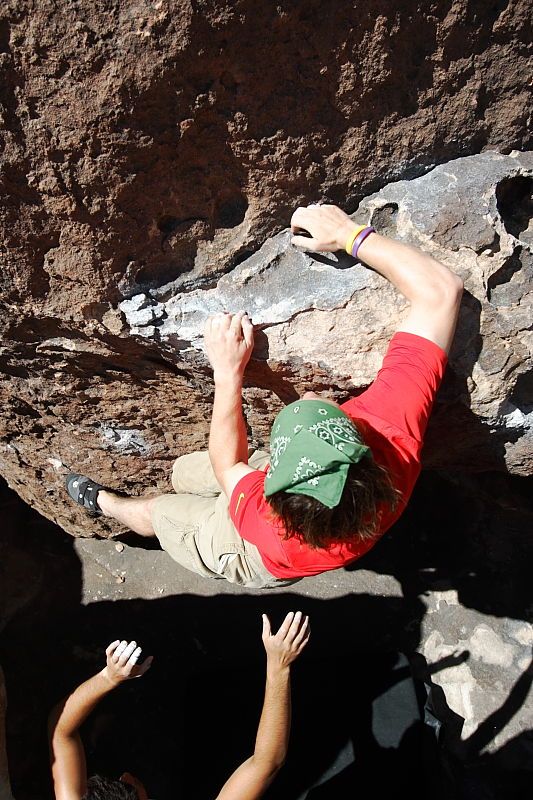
(132, 572)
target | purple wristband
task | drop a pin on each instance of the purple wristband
(360, 239)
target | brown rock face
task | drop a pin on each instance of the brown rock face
(148, 149)
(147, 142)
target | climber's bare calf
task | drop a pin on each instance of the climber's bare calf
(133, 512)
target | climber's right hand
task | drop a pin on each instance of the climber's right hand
(328, 227)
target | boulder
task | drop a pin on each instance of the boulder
(148, 152)
(119, 395)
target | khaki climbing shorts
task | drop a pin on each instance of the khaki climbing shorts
(195, 528)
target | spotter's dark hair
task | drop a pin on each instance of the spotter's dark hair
(100, 788)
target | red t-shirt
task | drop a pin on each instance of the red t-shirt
(394, 411)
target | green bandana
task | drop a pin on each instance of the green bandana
(312, 445)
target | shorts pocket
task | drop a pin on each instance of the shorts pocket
(180, 542)
(232, 562)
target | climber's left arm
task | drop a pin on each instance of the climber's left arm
(229, 341)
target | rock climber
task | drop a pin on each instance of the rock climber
(337, 476)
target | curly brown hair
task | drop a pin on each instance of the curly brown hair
(100, 788)
(368, 487)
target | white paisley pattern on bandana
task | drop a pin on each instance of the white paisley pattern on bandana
(312, 445)
(277, 448)
(336, 431)
(311, 468)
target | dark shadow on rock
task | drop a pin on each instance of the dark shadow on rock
(452, 419)
(466, 533)
(474, 774)
(483, 735)
(339, 260)
(378, 739)
(135, 540)
(260, 374)
(514, 197)
(40, 580)
(193, 717)
(206, 685)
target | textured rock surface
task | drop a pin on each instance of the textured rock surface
(150, 141)
(119, 397)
